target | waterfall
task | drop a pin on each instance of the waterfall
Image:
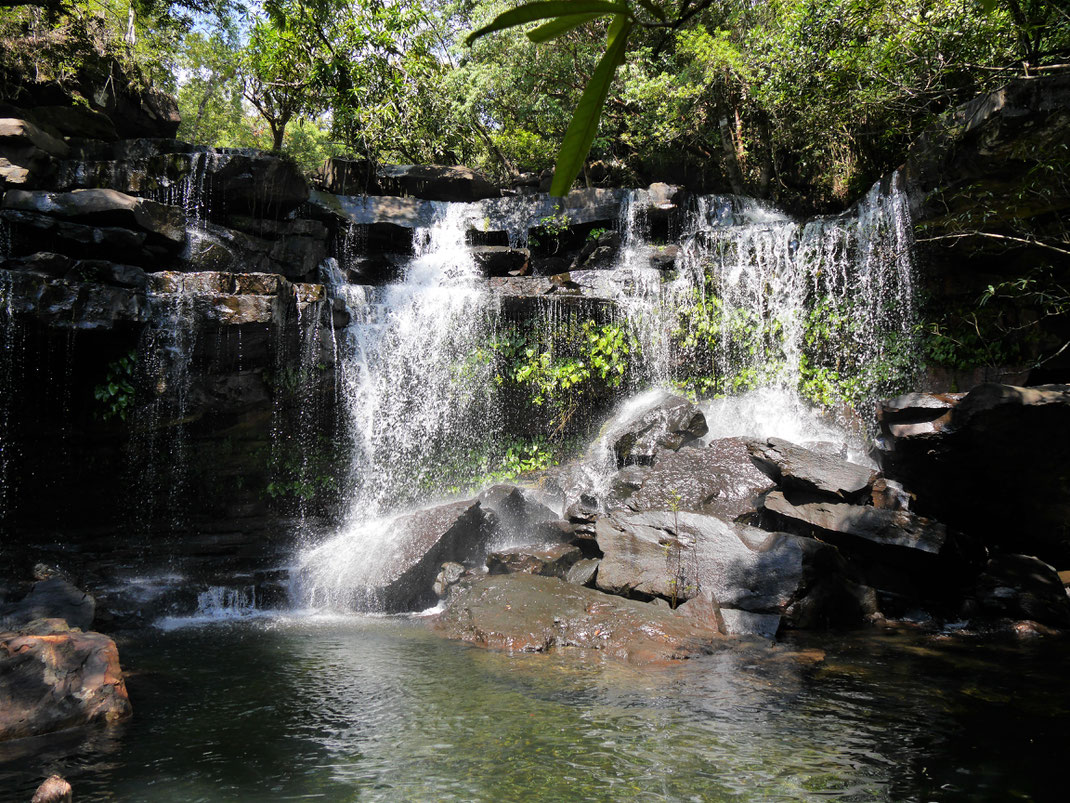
(418, 392)
(782, 327)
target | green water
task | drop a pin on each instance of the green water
(380, 709)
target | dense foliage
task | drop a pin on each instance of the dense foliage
(803, 101)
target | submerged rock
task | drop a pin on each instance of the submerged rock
(54, 790)
(529, 613)
(53, 678)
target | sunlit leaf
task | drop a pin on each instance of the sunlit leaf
(547, 10)
(584, 125)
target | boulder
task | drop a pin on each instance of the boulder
(54, 789)
(104, 272)
(599, 253)
(530, 613)
(26, 153)
(217, 248)
(678, 556)
(553, 561)
(256, 184)
(521, 518)
(801, 470)
(448, 576)
(75, 121)
(497, 260)
(994, 469)
(745, 623)
(53, 678)
(401, 574)
(671, 424)
(720, 480)
(165, 224)
(583, 572)
(54, 598)
(1023, 587)
(886, 527)
(663, 257)
(66, 304)
(435, 183)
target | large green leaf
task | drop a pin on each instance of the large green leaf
(556, 27)
(547, 10)
(584, 125)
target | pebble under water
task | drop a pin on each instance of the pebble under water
(378, 708)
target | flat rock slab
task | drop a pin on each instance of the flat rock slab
(677, 556)
(720, 480)
(528, 613)
(799, 469)
(109, 207)
(53, 678)
(898, 528)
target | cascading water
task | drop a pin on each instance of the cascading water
(764, 314)
(419, 400)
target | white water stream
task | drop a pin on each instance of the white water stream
(768, 290)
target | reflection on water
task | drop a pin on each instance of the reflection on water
(379, 709)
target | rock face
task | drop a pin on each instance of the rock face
(1022, 587)
(678, 556)
(720, 480)
(427, 182)
(257, 184)
(521, 519)
(528, 613)
(53, 678)
(25, 152)
(671, 425)
(53, 598)
(992, 464)
(799, 469)
(106, 207)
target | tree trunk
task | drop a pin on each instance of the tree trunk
(728, 145)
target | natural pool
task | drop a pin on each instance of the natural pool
(380, 709)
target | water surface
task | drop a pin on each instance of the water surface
(381, 709)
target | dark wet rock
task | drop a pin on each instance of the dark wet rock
(916, 413)
(54, 598)
(166, 224)
(53, 678)
(54, 790)
(104, 272)
(1023, 587)
(36, 232)
(996, 469)
(583, 572)
(76, 121)
(797, 469)
(217, 248)
(454, 533)
(448, 576)
(45, 262)
(890, 495)
(72, 305)
(896, 528)
(663, 257)
(745, 623)
(671, 424)
(529, 613)
(599, 253)
(552, 561)
(497, 260)
(521, 517)
(720, 480)
(435, 182)
(256, 184)
(426, 182)
(678, 556)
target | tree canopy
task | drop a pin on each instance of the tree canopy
(802, 101)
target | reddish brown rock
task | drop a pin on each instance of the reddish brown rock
(53, 678)
(529, 613)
